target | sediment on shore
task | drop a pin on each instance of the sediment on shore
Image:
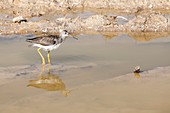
(145, 17)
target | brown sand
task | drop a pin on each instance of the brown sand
(148, 92)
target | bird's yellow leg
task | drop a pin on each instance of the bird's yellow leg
(43, 60)
(40, 76)
(49, 69)
(48, 56)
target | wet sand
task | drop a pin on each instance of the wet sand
(147, 92)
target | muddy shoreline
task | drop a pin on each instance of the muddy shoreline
(97, 23)
(126, 94)
(152, 16)
(41, 7)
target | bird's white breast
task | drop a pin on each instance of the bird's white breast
(47, 48)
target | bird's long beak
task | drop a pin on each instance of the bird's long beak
(74, 37)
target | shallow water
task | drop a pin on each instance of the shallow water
(112, 57)
(91, 63)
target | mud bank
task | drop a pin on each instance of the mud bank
(151, 22)
(147, 16)
(12, 72)
(41, 7)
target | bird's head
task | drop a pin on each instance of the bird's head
(64, 34)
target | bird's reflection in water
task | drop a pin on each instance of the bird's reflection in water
(49, 82)
(137, 75)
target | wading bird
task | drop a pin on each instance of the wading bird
(48, 43)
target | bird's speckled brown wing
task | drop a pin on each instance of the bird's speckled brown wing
(45, 40)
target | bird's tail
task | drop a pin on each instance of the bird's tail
(29, 40)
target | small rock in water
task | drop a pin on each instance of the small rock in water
(19, 19)
(137, 69)
(6, 16)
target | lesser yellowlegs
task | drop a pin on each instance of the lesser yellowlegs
(48, 43)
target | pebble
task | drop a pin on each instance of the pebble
(137, 69)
